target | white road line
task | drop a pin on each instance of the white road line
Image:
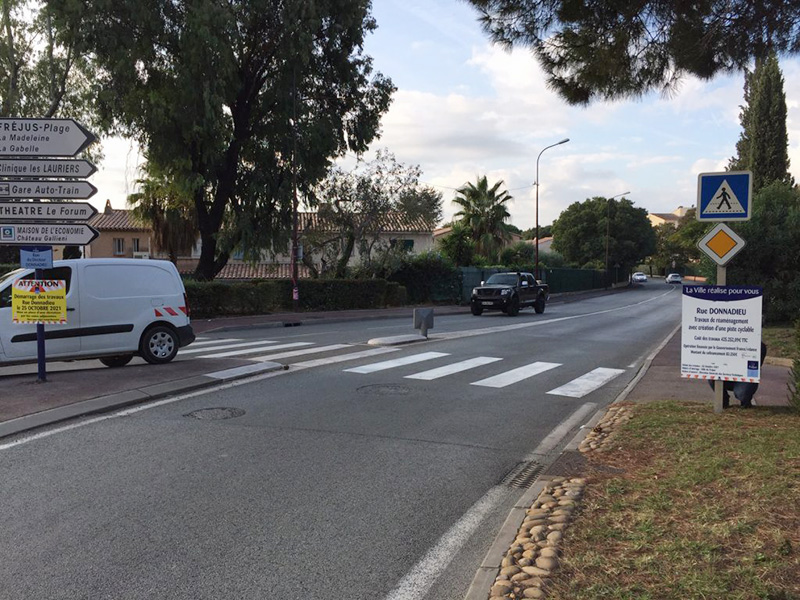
(249, 369)
(292, 353)
(578, 388)
(207, 342)
(515, 375)
(320, 362)
(261, 348)
(398, 362)
(418, 581)
(458, 367)
(192, 350)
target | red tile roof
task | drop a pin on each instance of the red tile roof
(391, 222)
(117, 220)
(259, 271)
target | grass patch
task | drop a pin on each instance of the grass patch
(780, 341)
(708, 506)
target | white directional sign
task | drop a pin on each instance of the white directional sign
(21, 167)
(46, 211)
(46, 188)
(55, 234)
(43, 137)
(724, 196)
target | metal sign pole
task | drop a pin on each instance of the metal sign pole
(719, 385)
(40, 355)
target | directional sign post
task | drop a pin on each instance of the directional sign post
(43, 137)
(724, 196)
(20, 167)
(23, 138)
(56, 234)
(46, 211)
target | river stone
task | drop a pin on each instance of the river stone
(547, 562)
(529, 554)
(536, 571)
(529, 546)
(512, 570)
(532, 592)
(558, 526)
(519, 577)
(549, 552)
(544, 499)
(559, 519)
(554, 537)
(525, 562)
(507, 561)
(500, 589)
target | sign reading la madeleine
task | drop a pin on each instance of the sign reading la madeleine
(39, 301)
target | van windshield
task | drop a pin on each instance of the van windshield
(12, 275)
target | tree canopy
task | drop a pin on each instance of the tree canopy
(242, 101)
(579, 233)
(618, 49)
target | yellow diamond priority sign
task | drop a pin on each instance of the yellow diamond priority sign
(721, 244)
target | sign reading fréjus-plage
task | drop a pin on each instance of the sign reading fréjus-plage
(721, 333)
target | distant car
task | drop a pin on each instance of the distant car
(639, 278)
(674, 278)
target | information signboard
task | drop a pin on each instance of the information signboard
(39, 301)
(721, 333)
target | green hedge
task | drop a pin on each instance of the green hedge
(210, 299)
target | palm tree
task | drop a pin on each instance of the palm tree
(483, 210)
(168, 210)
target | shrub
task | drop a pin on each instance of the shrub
(396, 294)
(429, 277)
(7, 268)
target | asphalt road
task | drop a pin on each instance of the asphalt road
(333, 479)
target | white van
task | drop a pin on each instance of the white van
(116, 308)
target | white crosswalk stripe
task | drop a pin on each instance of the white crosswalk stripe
(207, 342)
(261, 348)
(398, 362)
(578, 388)
(319, 362)
(193, 350)
(458, 367)
(516, 375)
(290, 354)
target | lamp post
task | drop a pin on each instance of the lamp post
(608, 223)
(536, 258)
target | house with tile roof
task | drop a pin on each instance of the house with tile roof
(672, 218)
(121, 235)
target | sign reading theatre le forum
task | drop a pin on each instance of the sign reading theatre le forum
(721, 333)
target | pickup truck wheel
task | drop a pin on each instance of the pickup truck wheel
(513, 307)
(159, 345)
(538, 306)
(476, 309)
(116, 361)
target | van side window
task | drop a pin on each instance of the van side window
(63, 273)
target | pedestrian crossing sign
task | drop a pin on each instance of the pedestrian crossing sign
(724, 196)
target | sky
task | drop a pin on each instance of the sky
(465, 108)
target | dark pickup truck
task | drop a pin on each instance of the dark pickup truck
(509, 292)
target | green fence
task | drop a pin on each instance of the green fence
(559, 280)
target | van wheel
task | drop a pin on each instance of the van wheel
(116, 361)
(538, 306)
(159, 345)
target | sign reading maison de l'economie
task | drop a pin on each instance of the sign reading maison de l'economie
(721, 333)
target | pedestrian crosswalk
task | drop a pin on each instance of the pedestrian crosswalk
(458, 367)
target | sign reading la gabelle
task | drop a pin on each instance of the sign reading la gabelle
(721, 332)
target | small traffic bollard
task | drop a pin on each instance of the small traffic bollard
(423, 320)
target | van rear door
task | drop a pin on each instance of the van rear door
(19, 339)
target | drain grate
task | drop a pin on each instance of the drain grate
(215, 414)
(523, 475)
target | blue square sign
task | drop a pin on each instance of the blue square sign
(724, 196)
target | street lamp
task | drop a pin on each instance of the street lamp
(536, 258)
(608, 223)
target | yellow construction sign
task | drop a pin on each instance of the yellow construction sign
(39, 301)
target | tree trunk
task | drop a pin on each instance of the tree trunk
(341, 264)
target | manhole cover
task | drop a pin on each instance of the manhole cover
(215, 414)
(385, 390)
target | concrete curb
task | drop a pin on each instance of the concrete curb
(490, 566)
(120, 400)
